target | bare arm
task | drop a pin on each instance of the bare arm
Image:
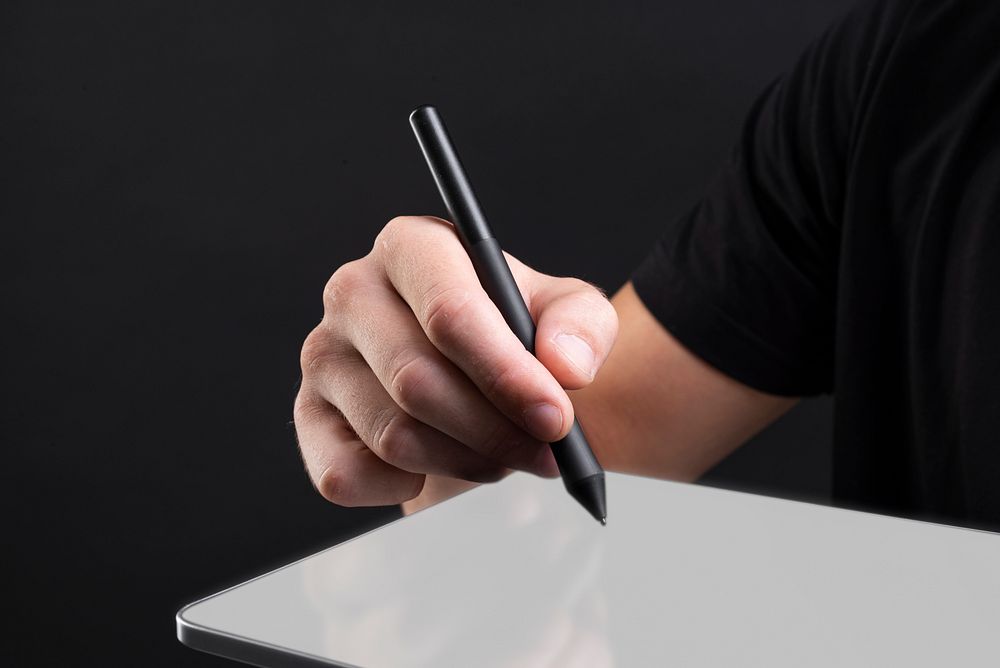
(654, 409)
(658, 410)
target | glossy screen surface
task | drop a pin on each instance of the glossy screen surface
(515, 574)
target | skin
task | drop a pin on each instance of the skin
(414, 388)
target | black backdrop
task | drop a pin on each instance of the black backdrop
(179, 180)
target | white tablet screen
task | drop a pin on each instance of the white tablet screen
(516, 574)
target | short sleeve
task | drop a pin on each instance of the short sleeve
(747, 279)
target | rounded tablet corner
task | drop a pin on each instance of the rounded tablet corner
(187, 631)
(245, 650)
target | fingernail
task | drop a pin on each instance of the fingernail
(577, 352)
(543, 421)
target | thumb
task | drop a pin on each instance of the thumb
(575, 324)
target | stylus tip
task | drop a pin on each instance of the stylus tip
(604, 521)
(589, 492)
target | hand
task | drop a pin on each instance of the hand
(414, 372)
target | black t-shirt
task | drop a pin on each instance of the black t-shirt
(852, 245)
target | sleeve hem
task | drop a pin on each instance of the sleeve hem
(719, 340)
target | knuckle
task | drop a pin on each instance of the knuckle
(600, 312)
(408, 383)
(588, 293)
(313, 349)
(318, 349)
(303, 410)
(605, 315)
(588, 287)
(504, 382)
(497, 443)
(392, 438)
(414, 489)
(444, 309)
(388, 237)
(332, 486)
(347, 281)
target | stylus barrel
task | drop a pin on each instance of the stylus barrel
(580, 470)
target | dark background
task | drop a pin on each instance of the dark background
(179, 180)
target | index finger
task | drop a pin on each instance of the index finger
(426, 264)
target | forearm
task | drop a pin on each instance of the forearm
(655, 409)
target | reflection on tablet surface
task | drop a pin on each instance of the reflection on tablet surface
(513, 574)
(526, 571)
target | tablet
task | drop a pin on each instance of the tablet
(516, 574)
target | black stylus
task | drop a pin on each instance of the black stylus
(581, 472)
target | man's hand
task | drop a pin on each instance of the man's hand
(413, 370)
